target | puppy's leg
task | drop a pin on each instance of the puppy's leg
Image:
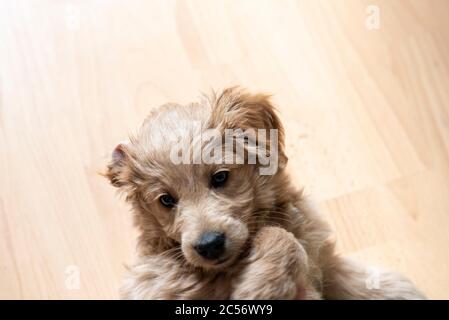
(276, 268)
(345, 279)
(159, 277)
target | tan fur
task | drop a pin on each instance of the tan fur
(279, 246)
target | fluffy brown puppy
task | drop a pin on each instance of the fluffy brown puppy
(222, 229)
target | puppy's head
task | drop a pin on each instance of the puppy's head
(194, 175)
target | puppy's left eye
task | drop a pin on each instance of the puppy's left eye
(167, 200)
(219, 178)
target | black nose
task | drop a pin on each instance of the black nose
(211, 245)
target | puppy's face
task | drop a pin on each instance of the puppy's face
(208, 209)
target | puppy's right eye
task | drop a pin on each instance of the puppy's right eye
(219, 178)
(167, 200)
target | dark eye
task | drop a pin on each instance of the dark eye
(219, 178)
(167, 200)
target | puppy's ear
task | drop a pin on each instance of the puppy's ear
(118, 170)
(235, 108)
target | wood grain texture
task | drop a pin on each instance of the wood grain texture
(366, 112)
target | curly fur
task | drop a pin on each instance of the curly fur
(279, 247)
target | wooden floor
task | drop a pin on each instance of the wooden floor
(365, 102)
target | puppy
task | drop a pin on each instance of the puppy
(216, 221)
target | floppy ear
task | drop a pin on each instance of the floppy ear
(118, 170)
(235, 108)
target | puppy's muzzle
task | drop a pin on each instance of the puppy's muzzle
(211, 245)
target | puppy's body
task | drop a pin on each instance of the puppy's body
(272, 244)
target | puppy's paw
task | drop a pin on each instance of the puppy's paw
(276, 268)
(277, 245)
